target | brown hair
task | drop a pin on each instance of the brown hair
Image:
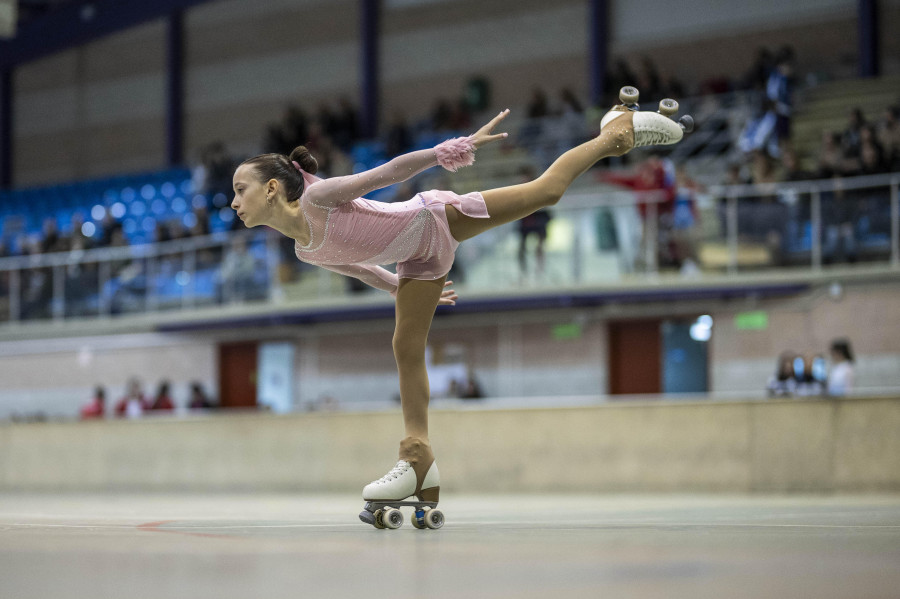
(279, 167)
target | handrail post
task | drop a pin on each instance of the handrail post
(731, 232)
(15, 295)
(895, 223)
(652, 250)
(816, 223)
(58, 301)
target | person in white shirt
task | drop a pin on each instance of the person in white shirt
(840, 378)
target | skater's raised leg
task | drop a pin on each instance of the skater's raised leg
(622, 129)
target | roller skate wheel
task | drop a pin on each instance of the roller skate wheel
(379, 519)
(668, 107)
(687, 123)
(629, 95)
(418, 519)
(392, 518)
(434, 519)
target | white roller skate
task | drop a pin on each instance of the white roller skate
(650, 128)
(415, 475)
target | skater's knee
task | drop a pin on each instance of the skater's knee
(409, 350)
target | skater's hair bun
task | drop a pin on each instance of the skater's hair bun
(279, 167)
(301, 156)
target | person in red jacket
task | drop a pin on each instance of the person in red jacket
(97, 407)
(163, 401)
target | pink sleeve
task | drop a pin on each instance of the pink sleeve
(451, 154)
(371, 275)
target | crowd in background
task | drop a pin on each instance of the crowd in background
(135, 404)
(799, 375)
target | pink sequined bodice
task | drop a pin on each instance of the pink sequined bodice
(354, 235)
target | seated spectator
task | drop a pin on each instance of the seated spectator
(810, 379)
(163, 401)
(851, 138)
(533, 224)
(237, 273)
(133, 404)
(831, 157)
(889, 137)
(199, 400)
(783, 383)
(97, 408)
(841, 375)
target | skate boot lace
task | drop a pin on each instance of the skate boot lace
(401, 467)
(650, 137)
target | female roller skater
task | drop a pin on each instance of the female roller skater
(334, 227)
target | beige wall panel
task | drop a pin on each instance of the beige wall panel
(140, 49)
(867, 446)
(793, 445)
(50, 72)
(214, 36)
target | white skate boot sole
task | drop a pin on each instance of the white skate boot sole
(650, 128)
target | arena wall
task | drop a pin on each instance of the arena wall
(818, 446)
(512, 354)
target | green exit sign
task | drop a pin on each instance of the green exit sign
(752, 321)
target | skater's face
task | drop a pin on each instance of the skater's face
(250, 195)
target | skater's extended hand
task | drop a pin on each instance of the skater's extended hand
(448, 296)
(484, 136)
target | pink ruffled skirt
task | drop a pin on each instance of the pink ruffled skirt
(440, 261)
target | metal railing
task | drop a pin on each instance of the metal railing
(593, 237)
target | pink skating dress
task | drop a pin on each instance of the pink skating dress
(354, 236)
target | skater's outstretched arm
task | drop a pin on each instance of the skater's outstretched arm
(451, 154)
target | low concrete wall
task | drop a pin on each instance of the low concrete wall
(850, 445)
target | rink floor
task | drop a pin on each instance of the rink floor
(272, 546)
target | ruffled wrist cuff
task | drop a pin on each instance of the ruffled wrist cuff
(455, 153)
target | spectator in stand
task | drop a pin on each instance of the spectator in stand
(346, 129)
(758, 74)
(779, 91)
(783, 383)
(399, 136)
(655, 177)
(163, 399)
(133, 404)
(216, 166)
(790, 167)
(851, 138)
(619, 76)
(684, 223)
(889, 137)
(810, 377)
(97, 408)
(648, 79)
(199, 400)
(841, 376)
(533, 224)
(236, 275)
(441, 116)
(831, 157)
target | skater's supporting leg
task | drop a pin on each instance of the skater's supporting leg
(507, 204)
(416, 302)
